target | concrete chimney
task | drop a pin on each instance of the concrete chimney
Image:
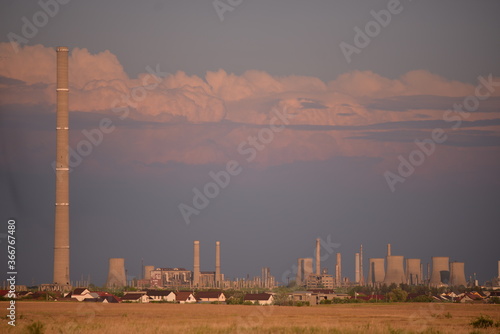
(356, 266)
(116, 274)
(318, 256)
(388, 249)
(338, 270)
(217, 264)
(61, 238)
(361, 274)
(196, 264)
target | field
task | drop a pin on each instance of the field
(66, 317)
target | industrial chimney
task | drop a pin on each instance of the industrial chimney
(338, 270)
(356, 268)
(196, 264)
(440, 271)
(116, 274)
(61, 237)
(217, 264)
(457, 274)
(388, 249)
(376, 272)
(394, 272)
(361, 274)
(318, 257)
(413, 276)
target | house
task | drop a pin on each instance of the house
(161, 295)
(210, 296)
(471, 297)
(261, 298)
(135, 297)
(106, 297)
(184, 297)
(81, 294)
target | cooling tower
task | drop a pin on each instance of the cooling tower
(356, 268)
(61, 237)
(196, 264)
(413, 276)
(376, 272)
(457, 274)
(338, 270)
(217, 264)
(394, 271)
(440, 271)
(318, 256)
(116, 274)
(147, 271)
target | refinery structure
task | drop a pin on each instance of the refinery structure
(388, 270)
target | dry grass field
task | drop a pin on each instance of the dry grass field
(66, 317)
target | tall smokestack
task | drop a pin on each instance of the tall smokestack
(338, 268)
(61, 237)
(361, 275)
(217, 264)
(196, 264)
(318, 256)
(388, 249)
(356, 266)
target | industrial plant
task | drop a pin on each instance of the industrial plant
(388, 270)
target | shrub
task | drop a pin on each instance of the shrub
(483, 321)
(36, 328)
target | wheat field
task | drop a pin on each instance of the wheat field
(73, 317)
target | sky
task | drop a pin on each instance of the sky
(260, 124)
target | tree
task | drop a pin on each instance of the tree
(397, 295)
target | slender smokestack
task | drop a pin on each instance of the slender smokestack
(318, 256)
(196, 264)
(361, 275)
(388, 249)
(217, 264)
(61, 237)
(339, 269)
(356, 266)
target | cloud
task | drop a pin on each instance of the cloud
(202, 120)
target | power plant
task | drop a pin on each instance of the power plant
(457, 274)
(394, 272)
(61, 237)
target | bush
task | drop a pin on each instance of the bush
(494, 300)
(423, 299)
(36, 328)
(326, 301)
(247, 302)
(483, 321)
